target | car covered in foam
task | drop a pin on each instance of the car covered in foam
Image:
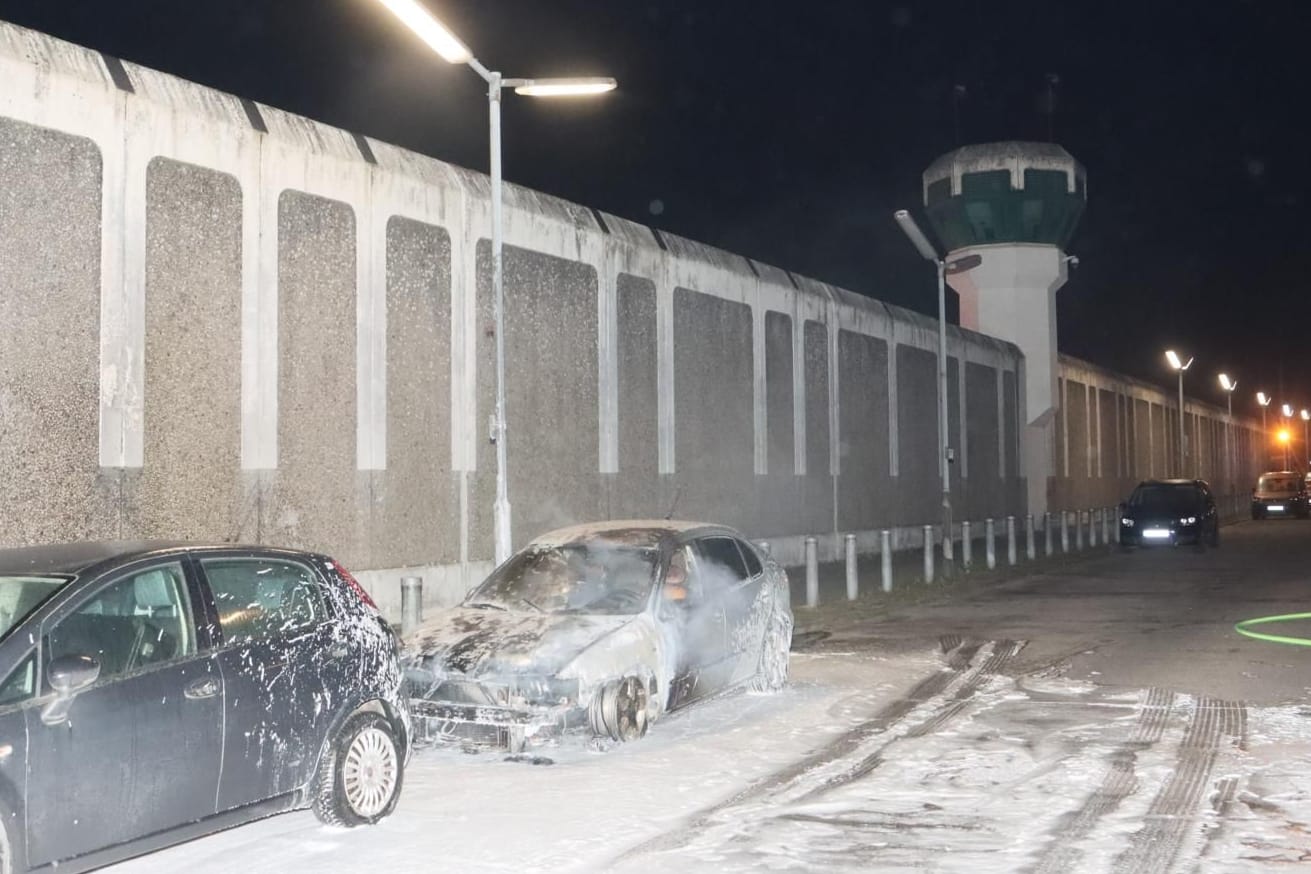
(602, 629)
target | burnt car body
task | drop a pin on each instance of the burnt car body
(1170, 513)
(1280, 493)
(152, 693)
(601, 628)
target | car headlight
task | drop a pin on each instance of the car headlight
(543, 690)
(1187, 520)
(1126, 522)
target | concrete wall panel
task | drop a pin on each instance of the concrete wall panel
(778, 395)
(920, 489)
(50, 202)
(865, 491)
(190, 487)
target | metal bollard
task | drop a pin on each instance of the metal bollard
(1030, 551)
(1065, 531)
(885, 552)
(990, 547)
(1048, 547)
(763, 546)
(1078, 530)
(966, 546)
(411, 604)
(1115, 525)
(1106, 526)
(812, 572)
(928, 553)
(1092, 529)
(852, 582)
(1010, 540)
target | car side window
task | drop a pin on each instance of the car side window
(261, 598)
(721, 556)
(20, 684)
(753, 561)
(139, 620)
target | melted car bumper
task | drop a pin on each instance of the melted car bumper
(504, 727)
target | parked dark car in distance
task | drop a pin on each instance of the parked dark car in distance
(152, 693)
(1168, 513)
(1280, 493)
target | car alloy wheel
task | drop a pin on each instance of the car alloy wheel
(619, 710)
(369, 773)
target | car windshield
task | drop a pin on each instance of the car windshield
(1277, 483)
(1162, 498)
(19, 596)
(575, 578)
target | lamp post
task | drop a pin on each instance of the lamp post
(1178, 364)
(1229, 385)
(1286, 435)
(1264, 400)
(445, 43)
(1306, 438)
(927, 251)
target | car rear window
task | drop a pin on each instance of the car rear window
(1278, 483)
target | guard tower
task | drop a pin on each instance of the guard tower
(1016, 205)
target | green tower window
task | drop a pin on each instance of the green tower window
(1037, 182)
(984, 184)
(938, 191)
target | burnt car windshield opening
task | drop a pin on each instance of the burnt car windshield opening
(1174, 500)
(1278, 484)
(19, 596)
(573, 578)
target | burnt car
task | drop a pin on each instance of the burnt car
(1169, 513)
(1280, 493)
(601, 628)
(153, 693)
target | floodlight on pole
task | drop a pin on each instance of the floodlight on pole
(1264, 400)
(928, 252)
(1229, 386)
(445, 43)
(1178, 364)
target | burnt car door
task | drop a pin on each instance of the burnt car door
(695, 621)
(138, 750)
(738, 586)
(277, 659)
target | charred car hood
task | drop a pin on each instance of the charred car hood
(492, 643)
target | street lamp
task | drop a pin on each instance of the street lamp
(1178, 364)
(445, 43)
(1306, 437)
(1285, 435)
(1264, 400)
(960, 265)
(1229, 385)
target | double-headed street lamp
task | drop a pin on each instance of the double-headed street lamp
(445, 43)
(960, 265)
(1180, 366)
(1228, 385)
(1285, 435)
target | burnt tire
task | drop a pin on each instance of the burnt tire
(772, 670)
(360, 775)
(619, 710)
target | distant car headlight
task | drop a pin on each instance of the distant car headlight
(1187, 520)
(1126, 521)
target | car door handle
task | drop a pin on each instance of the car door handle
(205, 687)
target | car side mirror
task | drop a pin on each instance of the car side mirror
(68, 675)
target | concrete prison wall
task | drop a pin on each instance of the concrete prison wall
(220, 321)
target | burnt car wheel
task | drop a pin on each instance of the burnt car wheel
(772, 673)
(360, 777)
(619, 710)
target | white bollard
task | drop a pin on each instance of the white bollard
(812, 572)
(763, 546)
(885, 551)
(1030, 550)
(1010, 540)
(928, 553)
(989, 544)
(1092, 528)
(852, 582)
(1078, 530)
(1106, 526)
(411, 604)
(1065, 531)
(966, 546)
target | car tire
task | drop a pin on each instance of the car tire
(772, 671)
(361, 773)
(620, 710)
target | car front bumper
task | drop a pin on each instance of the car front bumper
(491, 726)
(1159, 535)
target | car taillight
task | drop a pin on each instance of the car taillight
(355, 585)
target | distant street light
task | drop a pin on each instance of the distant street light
(927, 251)
(1178, 364)
(1229, 385)
(445, 43)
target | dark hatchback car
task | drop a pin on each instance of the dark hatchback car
(1169, 513)
(152, 693)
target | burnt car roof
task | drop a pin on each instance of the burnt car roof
(73, 558)
(629, 532)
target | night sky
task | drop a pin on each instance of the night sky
(790, 132)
